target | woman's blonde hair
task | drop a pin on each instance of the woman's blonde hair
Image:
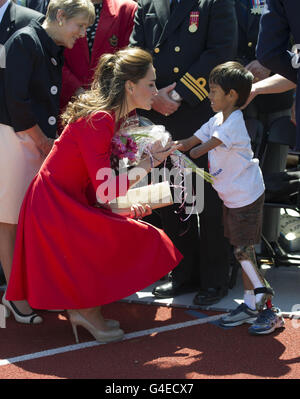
(107, 91)
(71, 9)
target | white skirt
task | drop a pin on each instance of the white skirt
(20, 160)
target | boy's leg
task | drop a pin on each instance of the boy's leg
(246, 282)
(249, 297)
(245, 312)
(246, 257)
(256, 290)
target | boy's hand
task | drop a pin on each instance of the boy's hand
(160, 153)
(181, 146)
(187, 144)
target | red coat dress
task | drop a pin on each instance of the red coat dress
(71, 255)
(113, 31)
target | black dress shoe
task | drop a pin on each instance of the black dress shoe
(171, 289)
(210, 296)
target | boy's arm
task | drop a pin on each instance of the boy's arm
(204, 148)
(187, 144)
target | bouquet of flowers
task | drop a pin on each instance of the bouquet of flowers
(123, 147)
(133, 142)
(145, 136)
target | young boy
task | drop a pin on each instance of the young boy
(239, 183)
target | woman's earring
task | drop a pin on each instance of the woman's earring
(60, 23)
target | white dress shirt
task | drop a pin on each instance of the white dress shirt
(3, 9)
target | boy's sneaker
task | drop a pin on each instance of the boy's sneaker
(242, 314)
(267, 321)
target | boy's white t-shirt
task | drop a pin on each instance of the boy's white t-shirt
(237, 175)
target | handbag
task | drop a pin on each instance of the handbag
(157, 195)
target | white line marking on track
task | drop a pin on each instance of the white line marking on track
(90, 344)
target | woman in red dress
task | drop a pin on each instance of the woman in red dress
(70, 254)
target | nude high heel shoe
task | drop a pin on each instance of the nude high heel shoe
(112, 323)
(76, 319)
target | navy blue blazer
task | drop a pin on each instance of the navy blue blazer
(14, 18)
(38, 5)
(248, 28)
(280, 20)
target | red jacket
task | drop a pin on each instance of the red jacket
(113, 31)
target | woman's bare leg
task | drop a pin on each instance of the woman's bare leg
(7, 245)
(94, 316)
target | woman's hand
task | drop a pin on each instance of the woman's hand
(251, 97)
(43, 143)
(139, 211)
(158, 154)
(136, 211)
(45, 146)
(274, 84)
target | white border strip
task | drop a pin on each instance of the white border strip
(90, 344)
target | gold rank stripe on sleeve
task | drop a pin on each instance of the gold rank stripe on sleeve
(197, 86)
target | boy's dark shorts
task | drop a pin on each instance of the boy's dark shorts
(243, 226)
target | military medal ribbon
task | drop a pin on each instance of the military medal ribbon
(194, 21)
(258, 6)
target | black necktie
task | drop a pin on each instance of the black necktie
(173, 6)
